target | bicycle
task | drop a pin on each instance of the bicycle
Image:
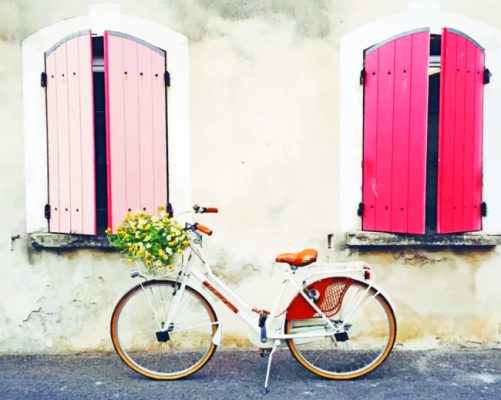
(335, 320)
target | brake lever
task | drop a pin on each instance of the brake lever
(191, 228)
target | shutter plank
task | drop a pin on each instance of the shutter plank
(418, 128)
(63, 139)
(146, 133)
(87, 137)
(52, 142)
(478, 110)
(115, 128)
(384, 143)
(369, 189)
(131, 116)
(400, 141)
(75, 136)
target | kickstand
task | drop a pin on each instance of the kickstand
(270, 356)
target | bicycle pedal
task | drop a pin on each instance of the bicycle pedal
(163, 336)
(264, 353)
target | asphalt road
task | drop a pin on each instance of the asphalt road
(467, 374)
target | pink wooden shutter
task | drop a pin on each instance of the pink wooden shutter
(70, 135)
(395, 128)
(136, 126)
(460, 134)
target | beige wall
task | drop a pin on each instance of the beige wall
(264, 82)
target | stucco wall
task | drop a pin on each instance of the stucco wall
(264, 111)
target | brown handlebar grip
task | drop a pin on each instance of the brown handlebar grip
(211, 209)
(203, 229)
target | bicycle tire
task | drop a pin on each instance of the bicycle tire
(186, 349)
(337, 361)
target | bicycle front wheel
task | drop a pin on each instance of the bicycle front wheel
(366, 331)
(144, 342)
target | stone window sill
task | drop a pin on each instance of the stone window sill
(367, 239)
(62, 241)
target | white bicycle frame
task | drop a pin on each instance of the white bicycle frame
(208, 282)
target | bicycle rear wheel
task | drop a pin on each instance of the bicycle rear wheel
(360, 347)
(144, 344)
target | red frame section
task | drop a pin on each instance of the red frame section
(70, 135)
(395, 134)
(136, 126)
(460, 134)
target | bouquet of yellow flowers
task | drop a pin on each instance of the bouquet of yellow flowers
(152, 239)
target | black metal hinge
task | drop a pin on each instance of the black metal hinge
(487, 76)
(167, 78)
(43, 79)
(483, 209)
(46, 211)
(362, 76)
(360, 210)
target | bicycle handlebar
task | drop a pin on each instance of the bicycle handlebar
(203, 229)
(203, 210)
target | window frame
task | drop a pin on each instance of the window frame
(351, 116)
(34, 115)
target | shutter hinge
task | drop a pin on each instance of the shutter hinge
(43, 79)
(167, 78)
(46, 211)
(483, 209)
(360, 209)
(487, 76)
(362, 76)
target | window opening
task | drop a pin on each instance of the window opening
(100, 134)
(432, 135)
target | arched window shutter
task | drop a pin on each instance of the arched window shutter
(136, 125)
(70, 135)
(460, 134)
(395, 131)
